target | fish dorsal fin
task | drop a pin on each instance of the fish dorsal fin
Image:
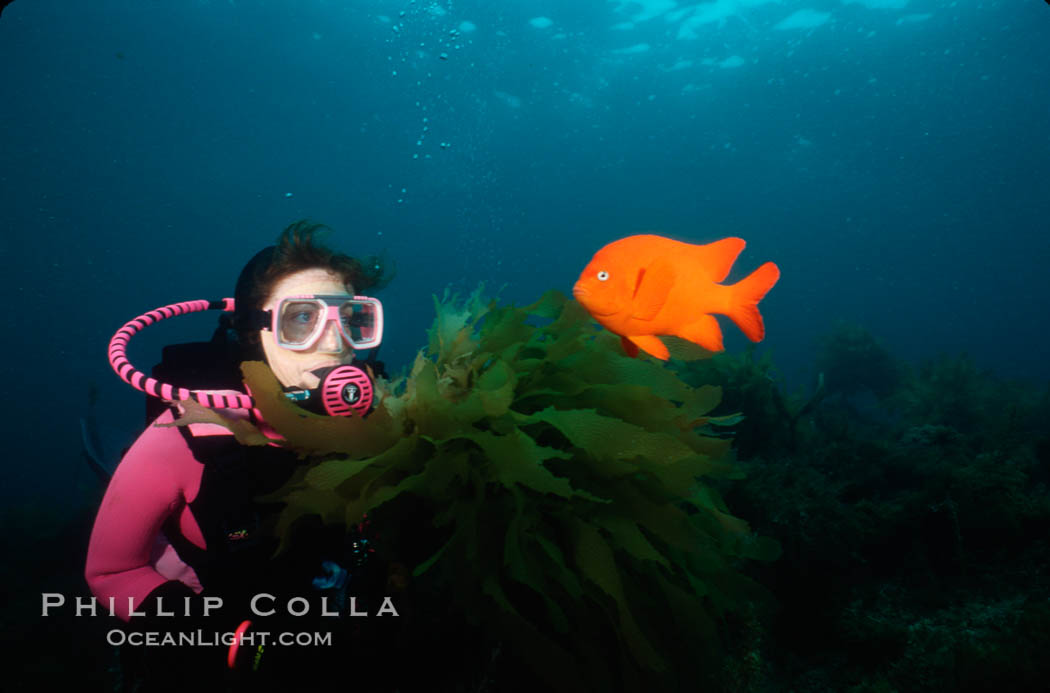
(717, 258)
(652, 286)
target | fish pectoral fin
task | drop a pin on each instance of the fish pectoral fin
(651, 288)
(704, 332)
(629, 347)
(649, 344)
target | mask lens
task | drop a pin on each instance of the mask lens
(358, 321)
(298, 321)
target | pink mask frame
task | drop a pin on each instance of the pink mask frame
(332, 305)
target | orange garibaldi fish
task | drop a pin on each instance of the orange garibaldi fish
(643, 286)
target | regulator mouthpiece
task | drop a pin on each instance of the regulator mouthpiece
(343, 391)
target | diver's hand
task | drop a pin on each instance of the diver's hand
(167, 562)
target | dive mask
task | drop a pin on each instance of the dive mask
(299, 322)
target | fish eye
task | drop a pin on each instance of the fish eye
(603, 275)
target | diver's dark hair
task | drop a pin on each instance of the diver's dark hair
(297, 249)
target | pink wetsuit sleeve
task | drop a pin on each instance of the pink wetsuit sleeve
(156, 478)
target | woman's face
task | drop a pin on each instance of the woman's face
(292, 368)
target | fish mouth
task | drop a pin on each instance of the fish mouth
(581, 294)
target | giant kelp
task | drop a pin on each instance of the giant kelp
(564, 482)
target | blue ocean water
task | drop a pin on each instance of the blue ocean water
(892, 156)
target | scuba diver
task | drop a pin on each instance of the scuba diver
(183, 522)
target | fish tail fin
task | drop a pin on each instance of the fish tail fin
(746, 293)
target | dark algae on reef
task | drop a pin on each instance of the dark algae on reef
(911, 503)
